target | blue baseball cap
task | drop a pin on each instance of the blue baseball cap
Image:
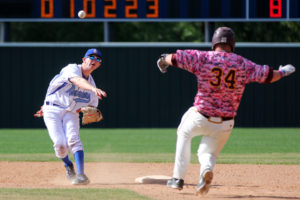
(93, 52)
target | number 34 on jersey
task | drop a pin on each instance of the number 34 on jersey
(228, 78)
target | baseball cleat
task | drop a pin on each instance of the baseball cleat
(70, 172)
(81, 179)
(175, 183)
(204, 183)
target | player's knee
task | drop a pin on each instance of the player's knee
(75, 144)
(61, 151)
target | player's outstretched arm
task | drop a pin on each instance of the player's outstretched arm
(283, 71)
(84, 84)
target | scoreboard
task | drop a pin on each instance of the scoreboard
(150, 10)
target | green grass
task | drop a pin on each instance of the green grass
(69, 194)
(245, 145)
(264, 140)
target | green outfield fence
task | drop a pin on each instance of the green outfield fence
(138, 94)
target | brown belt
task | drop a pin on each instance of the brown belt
(223, 118)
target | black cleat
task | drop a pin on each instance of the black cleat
(175, 183)
(70, 172)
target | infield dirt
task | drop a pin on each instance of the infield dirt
(230, 181)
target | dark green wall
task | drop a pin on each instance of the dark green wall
(138, 94)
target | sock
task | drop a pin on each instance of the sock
(67, 161)
(79, 160)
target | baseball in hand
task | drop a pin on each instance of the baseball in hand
(81, 14)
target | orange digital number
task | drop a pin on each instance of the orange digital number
(47, 8)
(72, 9)
(132, 7)
(89, 6)
(275, 8)
(111, 7)
(153, 8)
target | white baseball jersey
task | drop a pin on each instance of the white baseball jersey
(62, 93)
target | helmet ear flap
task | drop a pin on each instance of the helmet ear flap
(223, 35)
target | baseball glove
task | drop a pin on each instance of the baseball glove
(90, 115)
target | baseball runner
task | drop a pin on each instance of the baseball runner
(221, 76)
(69, 92)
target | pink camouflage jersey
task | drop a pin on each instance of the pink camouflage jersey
(221, 77)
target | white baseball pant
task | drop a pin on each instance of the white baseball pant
(214, 137)
(63, 128)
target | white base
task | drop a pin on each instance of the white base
(158, 179)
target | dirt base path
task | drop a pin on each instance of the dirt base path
(230, 181)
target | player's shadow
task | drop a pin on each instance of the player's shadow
(106, 184)
(145, 182)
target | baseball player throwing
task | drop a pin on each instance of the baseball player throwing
(221, 77)
(69, 91)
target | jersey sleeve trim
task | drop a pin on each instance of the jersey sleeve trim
(270, 76)
(174, 60)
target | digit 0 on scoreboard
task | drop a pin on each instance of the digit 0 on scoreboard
(89, 6)
(47, 9)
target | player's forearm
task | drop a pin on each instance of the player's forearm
(82, 83)
(277, 75)
(169, 59)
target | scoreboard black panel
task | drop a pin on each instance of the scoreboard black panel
(151, 10)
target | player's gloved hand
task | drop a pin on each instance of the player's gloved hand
(90, 115)
(162, 64)
(287, 69)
